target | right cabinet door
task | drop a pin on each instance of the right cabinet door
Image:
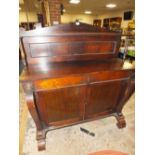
(104, 92)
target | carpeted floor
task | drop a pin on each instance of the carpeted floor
(71, 141)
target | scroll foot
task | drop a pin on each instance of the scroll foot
(41, 145)
(41, 136)
(121, 123)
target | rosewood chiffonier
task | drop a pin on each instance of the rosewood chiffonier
(73, 75)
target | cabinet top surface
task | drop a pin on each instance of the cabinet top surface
(54, 70)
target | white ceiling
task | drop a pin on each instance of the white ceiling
(97, 6)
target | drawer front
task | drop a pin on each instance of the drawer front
(108, 75)
(55, 83)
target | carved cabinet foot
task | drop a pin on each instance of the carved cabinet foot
(41, 136)
(121, 123)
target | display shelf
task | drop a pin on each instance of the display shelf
(127, 47)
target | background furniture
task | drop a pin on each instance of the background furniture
(73, 75)
(97, 22)
(112, 24)
(28, 26)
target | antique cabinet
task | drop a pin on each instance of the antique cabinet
(72, 75)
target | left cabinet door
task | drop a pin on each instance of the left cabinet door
(60, 101)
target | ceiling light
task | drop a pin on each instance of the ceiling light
(74, 1)
(64, 10)
(88, 12)
(111, 5)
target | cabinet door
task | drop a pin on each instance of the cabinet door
(60, 103)
(104, 93)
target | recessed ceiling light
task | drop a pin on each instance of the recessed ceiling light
(74, 1)
(111, 5)
(88, 12)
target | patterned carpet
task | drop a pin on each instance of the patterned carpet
(71, 141)
(23, 115)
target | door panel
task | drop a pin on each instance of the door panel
(59, 106)
(103, 97)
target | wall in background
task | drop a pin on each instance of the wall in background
(67, 18)
(32, 16)
(115, 14)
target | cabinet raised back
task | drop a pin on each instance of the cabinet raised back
(69, 43)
